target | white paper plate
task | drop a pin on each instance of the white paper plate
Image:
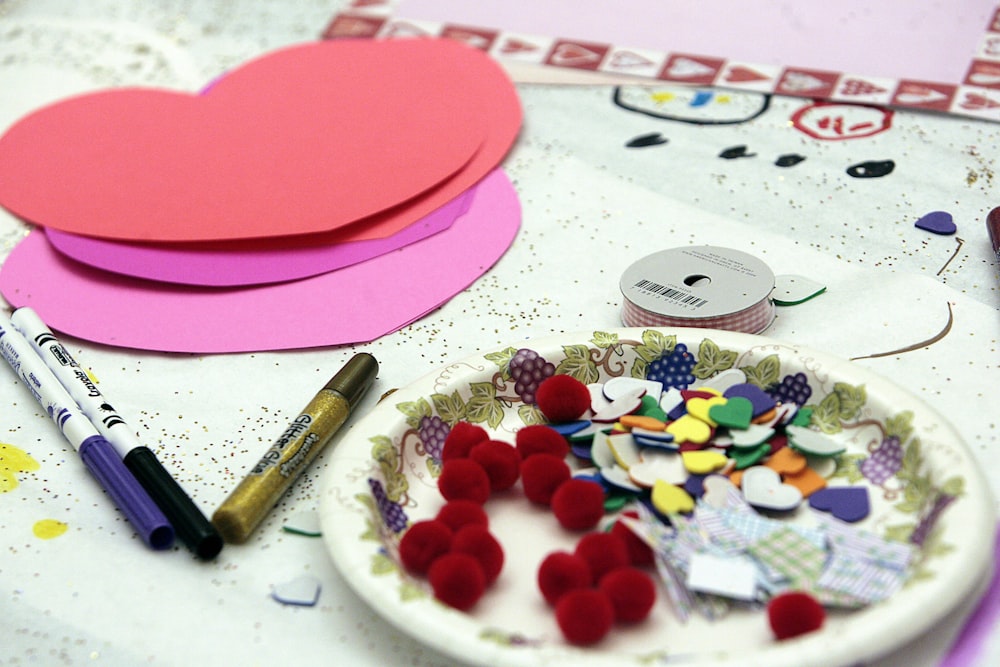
(512, 625)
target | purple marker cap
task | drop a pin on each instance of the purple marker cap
(106, 465)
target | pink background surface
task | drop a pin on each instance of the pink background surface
(899, 39)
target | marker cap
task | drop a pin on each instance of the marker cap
(354, 379)
(190, 525)
(106, 465)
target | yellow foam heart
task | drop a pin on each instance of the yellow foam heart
(702, 462)
(699, 407)
(670, 499)
(689, 429)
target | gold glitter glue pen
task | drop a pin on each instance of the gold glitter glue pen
(294, 450)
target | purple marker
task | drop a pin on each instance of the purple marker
(97, 453)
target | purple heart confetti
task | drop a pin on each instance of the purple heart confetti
(847, 503)
(938, 222)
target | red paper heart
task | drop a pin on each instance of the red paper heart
(305, 139)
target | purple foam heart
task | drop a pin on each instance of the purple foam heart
(938, 222)
(762, 401)
(847, 503)
(695, 485)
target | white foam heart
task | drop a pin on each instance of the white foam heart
(658, 464)
(763, 488)
(626, 386)
(724, 380)
(813, 442)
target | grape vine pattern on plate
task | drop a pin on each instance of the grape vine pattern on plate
(890, 459)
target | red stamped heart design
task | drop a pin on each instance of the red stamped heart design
(302, 140)
(740, 74)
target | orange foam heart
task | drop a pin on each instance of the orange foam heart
(302, 140)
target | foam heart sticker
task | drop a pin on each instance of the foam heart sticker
(289, 143)
(354, 304)
(847, 503)
(671, 499)
(937, 222)
(735, 412)
(761, 400)
(762, 487)
(223, 266)
(701, 408)
(689, 429)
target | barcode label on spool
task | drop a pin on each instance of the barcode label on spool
(670, 293)
(698, 286)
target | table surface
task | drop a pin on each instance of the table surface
(591, 206)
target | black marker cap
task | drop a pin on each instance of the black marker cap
(354, 379)
(190, 525)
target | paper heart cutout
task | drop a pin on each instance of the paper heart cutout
(735, 412)
(225, 265)
(302, 591)
(763, 488)
(289, 143)
(669, 499)
(703, 462)
(847, 503)
(357, 303)
(689, 429)
(937, 222)
(701, 407)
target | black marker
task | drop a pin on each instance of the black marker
(190, 525)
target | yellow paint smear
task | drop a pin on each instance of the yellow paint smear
(46, 529)
(12, 462)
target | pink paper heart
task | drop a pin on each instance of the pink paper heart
(354, 304)
(305, 139)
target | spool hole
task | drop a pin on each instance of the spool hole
(697, 280)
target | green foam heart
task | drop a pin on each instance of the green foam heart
(736, 412)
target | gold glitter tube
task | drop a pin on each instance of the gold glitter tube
(294, 450)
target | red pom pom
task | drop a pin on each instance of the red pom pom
(464, 479)
(632, 593)
(541, 475)
(562, 398)
(585, 616)
(639, 552)
(603, 552)
(794, 613)
(422, 543)
(500, 461)
(457, 580)
(478, 542)
(461, 512)
(561, 572)
(462, 437)
(540, 439)
(578, 504)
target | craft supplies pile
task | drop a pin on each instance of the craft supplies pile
(285, 180)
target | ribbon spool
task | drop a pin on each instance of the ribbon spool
(699, 286)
